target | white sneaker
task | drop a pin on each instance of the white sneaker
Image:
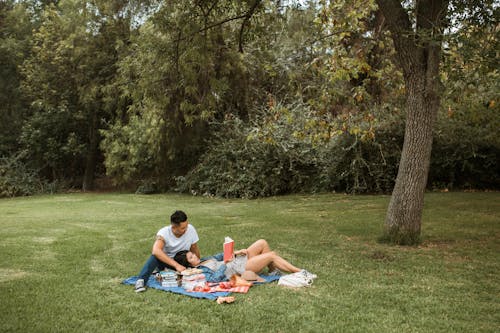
(295, 280)
(275, 272)
(139, 286)
(308, 274)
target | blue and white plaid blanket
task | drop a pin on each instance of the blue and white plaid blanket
(153, 283)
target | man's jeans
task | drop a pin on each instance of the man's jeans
(150, 266)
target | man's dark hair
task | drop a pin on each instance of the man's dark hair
(178, 217)
(181, 258)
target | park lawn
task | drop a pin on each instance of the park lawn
(63, 258)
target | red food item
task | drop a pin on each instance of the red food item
(225, 285)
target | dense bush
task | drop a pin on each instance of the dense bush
(295, 153)
(466, 151)
(239, 166)
(16, 179)
(365, 166)
(286, 150)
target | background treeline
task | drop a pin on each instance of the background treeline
(230, 98)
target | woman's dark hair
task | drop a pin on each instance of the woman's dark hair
(178, 217)
(181, 258)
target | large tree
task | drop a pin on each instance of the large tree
(183, 71)
(418, 29)
(417, 33)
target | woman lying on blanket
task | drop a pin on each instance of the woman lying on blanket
(252, 259)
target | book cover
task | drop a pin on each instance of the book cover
(228, 248)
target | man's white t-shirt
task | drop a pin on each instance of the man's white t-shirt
(174, 244)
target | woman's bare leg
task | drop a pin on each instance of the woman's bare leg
(257, 263)
(260, 247)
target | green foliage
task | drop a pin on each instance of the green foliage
(66, 79)
(236, 166)
(135, 85)
(361, 164)
(278, 57)
(16, 179)
(355, 66)
(53, 137)
(466, 144)
(179, 74)
(15, 38)
(288, 150)
(466, 151)
(130, 150)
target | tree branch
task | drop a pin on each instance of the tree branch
(248, 16)
(431, 13)
(403, 35)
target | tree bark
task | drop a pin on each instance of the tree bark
(90, 160)
(418, 47)
(403, 220)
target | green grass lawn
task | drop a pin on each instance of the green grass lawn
(63, 257)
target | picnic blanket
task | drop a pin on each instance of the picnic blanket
(215, 290)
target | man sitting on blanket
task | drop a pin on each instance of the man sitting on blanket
(178, 236)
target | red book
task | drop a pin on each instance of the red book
(228, 248)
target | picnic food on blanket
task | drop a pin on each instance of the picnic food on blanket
(191, 271)
(192, 279)
(228, 299)
(226, 285)
(205, 288)
(228, 249)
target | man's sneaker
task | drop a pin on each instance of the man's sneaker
(275, 272)
(308, 274)
(139, 286)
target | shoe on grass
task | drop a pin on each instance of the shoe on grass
(275, 272)
(308, 274)
(139, 286)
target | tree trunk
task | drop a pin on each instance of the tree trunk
(90, 160)
(418, 47)
(404, 214)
